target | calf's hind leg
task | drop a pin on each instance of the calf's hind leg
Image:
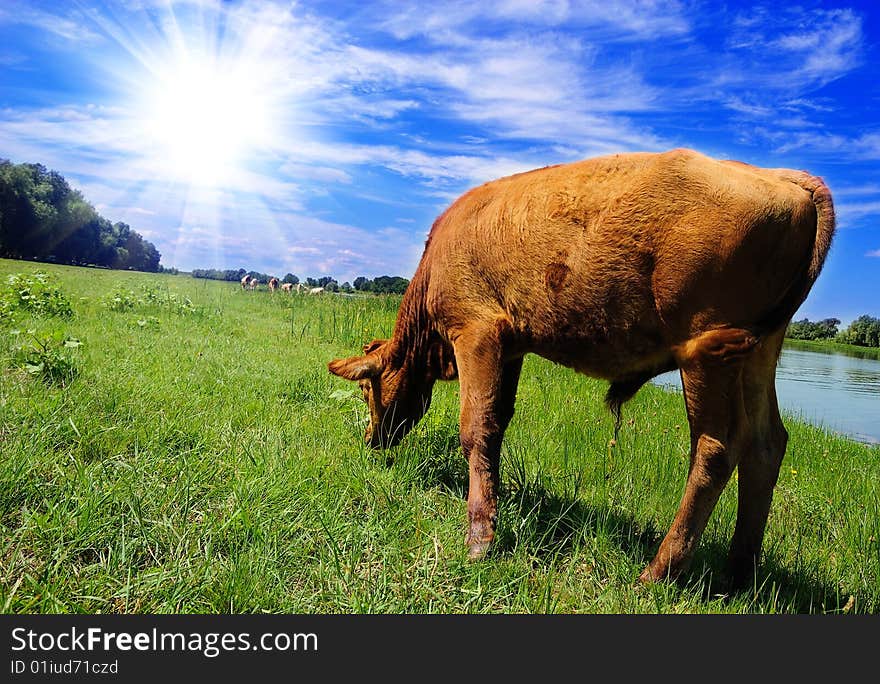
(488, 392)
(713, 391)
(760, 461)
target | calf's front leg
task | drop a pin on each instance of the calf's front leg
(488, 392)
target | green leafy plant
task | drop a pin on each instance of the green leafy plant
(121, 300)
(49, 357)
(181, 305)
(37, 294)
(6, 311)
(150, 322)
(151, 296)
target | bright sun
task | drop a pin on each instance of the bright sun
(205, 118)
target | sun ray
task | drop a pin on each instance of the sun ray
(207, 98)
(208, 101)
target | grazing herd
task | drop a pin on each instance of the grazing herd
(250, 283)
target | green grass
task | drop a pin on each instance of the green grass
(202, 459)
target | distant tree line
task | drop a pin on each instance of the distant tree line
(234, 275)
(863, 332)
(43, 218)
(806, 329)
(380, 285)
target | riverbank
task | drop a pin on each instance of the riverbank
(831, 347)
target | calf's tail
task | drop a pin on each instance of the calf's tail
(786, 307)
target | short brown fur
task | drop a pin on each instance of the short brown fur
(620, 267)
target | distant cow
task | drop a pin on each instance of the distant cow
(245, 282)
(286, 287)
(316, 290)
(273, 284)
(646, 263)
(252, 284)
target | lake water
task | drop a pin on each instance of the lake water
(836, 390)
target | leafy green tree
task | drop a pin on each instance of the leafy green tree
(864, 332)
(805, 329)
(261, 277)
(381, 285)
(43, 218)
(389, 285)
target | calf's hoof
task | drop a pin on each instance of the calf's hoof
(659, 571)
(647, 576)
(478, 550)
(481, 533)
(742, 575)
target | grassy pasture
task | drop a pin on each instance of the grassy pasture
(202, 459)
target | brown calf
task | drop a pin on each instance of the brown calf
(647, 263)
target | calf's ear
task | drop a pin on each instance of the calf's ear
(357, 367)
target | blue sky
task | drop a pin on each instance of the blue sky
(323, 138)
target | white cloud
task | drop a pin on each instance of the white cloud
(792, 49)
(324, 174)
(873, 253)
(800, 103)
(12, 60)
(831, 47)
(865, 147)
(852, 211)
(531, 87)
(297, 250)
(429, 166)
(737, 104)
(614, 19)
(69, 24)
(857, 190)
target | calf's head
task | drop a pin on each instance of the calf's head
(397, 388)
